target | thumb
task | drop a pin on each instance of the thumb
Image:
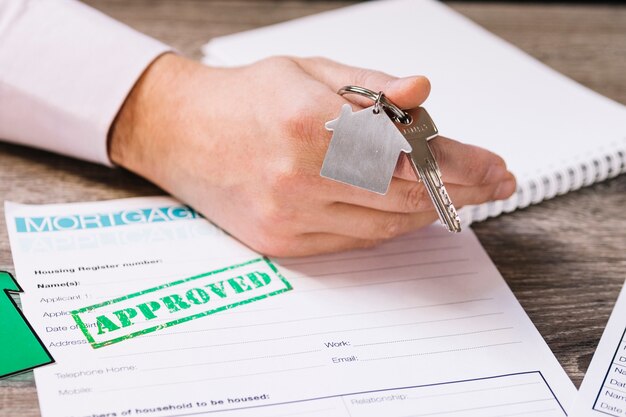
(406, 93)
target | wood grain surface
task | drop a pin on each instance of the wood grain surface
(565, 259)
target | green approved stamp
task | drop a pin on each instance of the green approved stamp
(179, 301)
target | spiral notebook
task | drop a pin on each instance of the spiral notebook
(555, 134)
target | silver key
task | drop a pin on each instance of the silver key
(418, 133)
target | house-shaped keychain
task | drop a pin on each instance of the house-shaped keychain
(364, 149)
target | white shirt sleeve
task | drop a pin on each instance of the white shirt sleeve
(65, 70)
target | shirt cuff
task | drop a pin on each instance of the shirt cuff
(66, 71)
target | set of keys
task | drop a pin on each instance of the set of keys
(366, 145)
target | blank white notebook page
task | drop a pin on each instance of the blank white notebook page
(422, 325)
(555, 134)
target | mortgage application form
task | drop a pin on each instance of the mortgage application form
(150, 310)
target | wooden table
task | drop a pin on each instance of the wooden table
(564, 259)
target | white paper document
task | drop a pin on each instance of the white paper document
(149, 310)
(603, 391)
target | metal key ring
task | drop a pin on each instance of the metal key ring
(379, 99)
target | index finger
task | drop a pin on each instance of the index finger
(407, 93)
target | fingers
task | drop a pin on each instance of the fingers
(364, 222)
(370, 224)
(343, 226)
(459, 163)
(406, 92)
(410, 196)
(468, 164)
(462, 164)
(403, 196)
(462, 195)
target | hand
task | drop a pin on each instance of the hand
(244, 147)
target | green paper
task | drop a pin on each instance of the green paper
(20, 347)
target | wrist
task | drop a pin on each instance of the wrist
(143, 118)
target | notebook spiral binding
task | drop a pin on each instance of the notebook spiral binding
(559, 182)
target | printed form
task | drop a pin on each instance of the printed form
(150, 310)
(603, 391)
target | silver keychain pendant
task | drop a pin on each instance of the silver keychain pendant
(364, 149)
(366, 145)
